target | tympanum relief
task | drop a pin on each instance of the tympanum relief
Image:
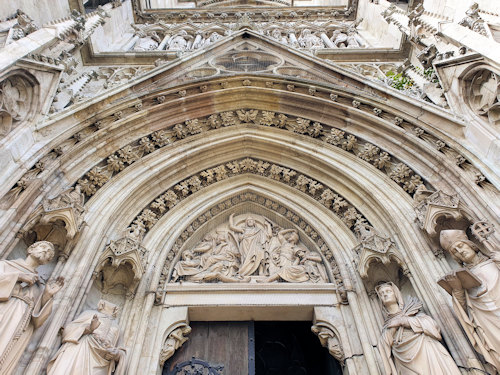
(250, 248)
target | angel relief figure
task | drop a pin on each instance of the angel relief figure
(250, 248)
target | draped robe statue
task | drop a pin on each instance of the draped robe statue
(252, 244)
(24, 303)
(409, 344)
(477, 309)
(89, 345)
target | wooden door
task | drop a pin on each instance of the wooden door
(252, 348)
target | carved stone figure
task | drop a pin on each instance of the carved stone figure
(410, 339)
(24, 303)
(287, 260)
(477, 308)
(251, 243)
(89, 345)
(329, 340)
(308, 40)
(251, 247)
(174, 341)
(214, 37)
(352, 42)
(339, 39)
(179, 41)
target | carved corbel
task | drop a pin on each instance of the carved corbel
(175, 339)
(433, 209)
(57, 220)
(329, 339)
(374, 248)
(122, 263)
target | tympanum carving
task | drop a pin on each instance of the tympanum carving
(89, 345)
(24, 303)
(475, 290)
(409, 343)
(250, 247)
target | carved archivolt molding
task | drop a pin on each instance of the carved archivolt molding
(397, 171)
(323, 194)
(174, 254)
(163, 137)
(17, 98)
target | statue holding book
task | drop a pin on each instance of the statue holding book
(476, 293)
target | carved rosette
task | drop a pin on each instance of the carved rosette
(374, 248)
(435, 208)
(122, 264)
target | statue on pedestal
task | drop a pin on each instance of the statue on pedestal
(25, 304)
(89, 345)
(409, 343)
(477, 305)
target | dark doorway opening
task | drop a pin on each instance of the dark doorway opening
(290, 348)
(252, 348)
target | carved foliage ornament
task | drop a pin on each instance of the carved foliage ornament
(250, 247)
(397, 171)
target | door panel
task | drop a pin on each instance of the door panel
(224, 343)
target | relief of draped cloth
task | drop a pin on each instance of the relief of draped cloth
(416, 350)
(482, 322)
(21, 311)
(85, 354)
(290, 271)
(252, 242)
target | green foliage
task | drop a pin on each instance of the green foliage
(399, 81)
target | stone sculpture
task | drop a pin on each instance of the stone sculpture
(251, 248)
(339, 39)
(477, 308)
(410, 339)
(174, 341)
(24, 303)
(329, 340)
(89, 345)
(308, 40)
